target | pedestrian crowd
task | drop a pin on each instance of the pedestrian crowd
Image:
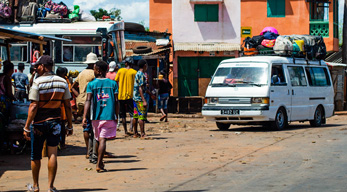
(102, 95)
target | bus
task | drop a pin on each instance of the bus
(106, 39)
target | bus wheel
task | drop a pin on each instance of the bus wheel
(318, 117)
(223, 126)
(281, 120)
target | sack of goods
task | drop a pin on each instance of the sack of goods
(269, 42)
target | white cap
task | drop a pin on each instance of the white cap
(112, 66)
(91, 58)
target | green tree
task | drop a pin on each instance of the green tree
(101, 12)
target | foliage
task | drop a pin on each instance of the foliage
(101, 12)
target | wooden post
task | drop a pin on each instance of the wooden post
(41, 49)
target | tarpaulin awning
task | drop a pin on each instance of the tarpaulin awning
(207, 47)
(13, 36)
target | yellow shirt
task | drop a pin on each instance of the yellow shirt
(125, 78)
(83, 79)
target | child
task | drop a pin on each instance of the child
(102, 94)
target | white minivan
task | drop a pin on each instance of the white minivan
(269, 90)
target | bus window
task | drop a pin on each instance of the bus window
(68, 54)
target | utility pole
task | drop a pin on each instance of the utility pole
(344, 34)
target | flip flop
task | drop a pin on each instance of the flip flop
(31, 188)
(136, 135)
(109, 155)
(53, 190)
(162, 117)
(101, 170)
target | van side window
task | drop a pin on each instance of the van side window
(277, 75)
(297, 76)
(317, 76)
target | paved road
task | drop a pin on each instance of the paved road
(305, 160)
(190, 154)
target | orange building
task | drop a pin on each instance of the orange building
(160, 15)
(314, 17)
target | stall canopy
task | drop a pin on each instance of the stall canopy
(14, 36)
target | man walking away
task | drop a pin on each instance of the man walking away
(102, 96)
(140, 103)
(46, 94)
(21, 83)
(125, 78)
(81, 83)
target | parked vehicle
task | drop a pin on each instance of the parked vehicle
(106, 39)
(269, 90)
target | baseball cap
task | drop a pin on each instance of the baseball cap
(112, 66)
(44, 59)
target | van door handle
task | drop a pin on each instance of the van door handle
(288, 92)
(292, 92)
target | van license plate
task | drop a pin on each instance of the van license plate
(230, 112)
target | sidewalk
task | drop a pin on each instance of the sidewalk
(340, 113)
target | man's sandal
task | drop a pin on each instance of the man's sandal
(53, 190)
(31, 188)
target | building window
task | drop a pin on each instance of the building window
(276, 8)
(319, 18)
(319, 11)
(206, 12)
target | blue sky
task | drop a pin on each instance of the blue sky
(132, 10)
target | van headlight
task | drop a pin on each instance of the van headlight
(260, 100)
(211, 100)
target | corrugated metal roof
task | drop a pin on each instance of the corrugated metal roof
(130, 53)
(207, 47)
(335, 57)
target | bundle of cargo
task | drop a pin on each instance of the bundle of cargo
(269, 42)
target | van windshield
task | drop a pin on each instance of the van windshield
(240, 76)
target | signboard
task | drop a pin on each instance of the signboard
(246, 32)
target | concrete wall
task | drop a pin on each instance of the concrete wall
(185, 29)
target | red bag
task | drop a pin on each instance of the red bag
(268, 43)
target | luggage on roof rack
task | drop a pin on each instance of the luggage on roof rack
(309, 46)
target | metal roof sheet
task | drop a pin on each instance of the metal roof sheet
(15, 35)
(207, 47)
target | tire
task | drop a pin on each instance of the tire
(142, 49)
(318, 117)
(223, 126)
(134, 27)
(281, 120)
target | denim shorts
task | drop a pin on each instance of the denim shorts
(89, 127)
(163, 100)
(50, 132)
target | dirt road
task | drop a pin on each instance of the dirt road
(184, 154)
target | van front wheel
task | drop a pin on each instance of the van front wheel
(223, 126)
(318, 117)
(281, 121)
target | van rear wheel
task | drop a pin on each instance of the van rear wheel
(318, 117)
(281, 120)
(223, 126)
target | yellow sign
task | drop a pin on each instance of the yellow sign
(246, 32)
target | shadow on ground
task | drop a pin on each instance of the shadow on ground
(259, 128)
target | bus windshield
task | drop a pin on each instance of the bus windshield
(240, 76)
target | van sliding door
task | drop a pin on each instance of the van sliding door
(299, 91)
